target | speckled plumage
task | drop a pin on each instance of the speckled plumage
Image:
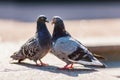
(38, 46)
(68, 49)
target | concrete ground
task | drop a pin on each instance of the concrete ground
(29, 71)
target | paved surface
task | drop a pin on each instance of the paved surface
(29, 71)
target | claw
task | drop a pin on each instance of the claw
(44, 64)
(67, 67)
(41, 63)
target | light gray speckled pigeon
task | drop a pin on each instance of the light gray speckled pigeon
(69, 49)
(38, 46)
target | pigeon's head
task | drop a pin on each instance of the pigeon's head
(42, 18)
(57, 20)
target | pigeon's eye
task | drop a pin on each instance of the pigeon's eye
(54, 20)
(42, 18)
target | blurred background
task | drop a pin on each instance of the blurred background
(27, 10)
(93, 22)
(85, 18)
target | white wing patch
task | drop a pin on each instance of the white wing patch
(65, 45)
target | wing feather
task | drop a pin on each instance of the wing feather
(73, 49)
(65, 45)
(31, 47)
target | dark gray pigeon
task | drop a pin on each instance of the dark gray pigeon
(38, 46)
(69, 49)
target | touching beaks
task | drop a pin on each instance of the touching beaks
(52, 22)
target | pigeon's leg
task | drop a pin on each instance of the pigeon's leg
(36, 63)
(68, 66)
(19, 61)
(43, 64)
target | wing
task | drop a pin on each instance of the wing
(31, 47)
(67, 45)
(85, 57)
(72, 48)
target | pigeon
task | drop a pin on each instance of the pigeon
(37, 46)
(68, 49)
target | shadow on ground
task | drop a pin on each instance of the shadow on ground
(54, 69)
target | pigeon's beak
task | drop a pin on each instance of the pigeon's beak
(52, 22)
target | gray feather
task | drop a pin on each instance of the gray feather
(69, 49)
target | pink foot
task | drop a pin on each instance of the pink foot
(67, 67)
(41, 64)
(44, 64)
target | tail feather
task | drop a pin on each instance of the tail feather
(87, 63)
